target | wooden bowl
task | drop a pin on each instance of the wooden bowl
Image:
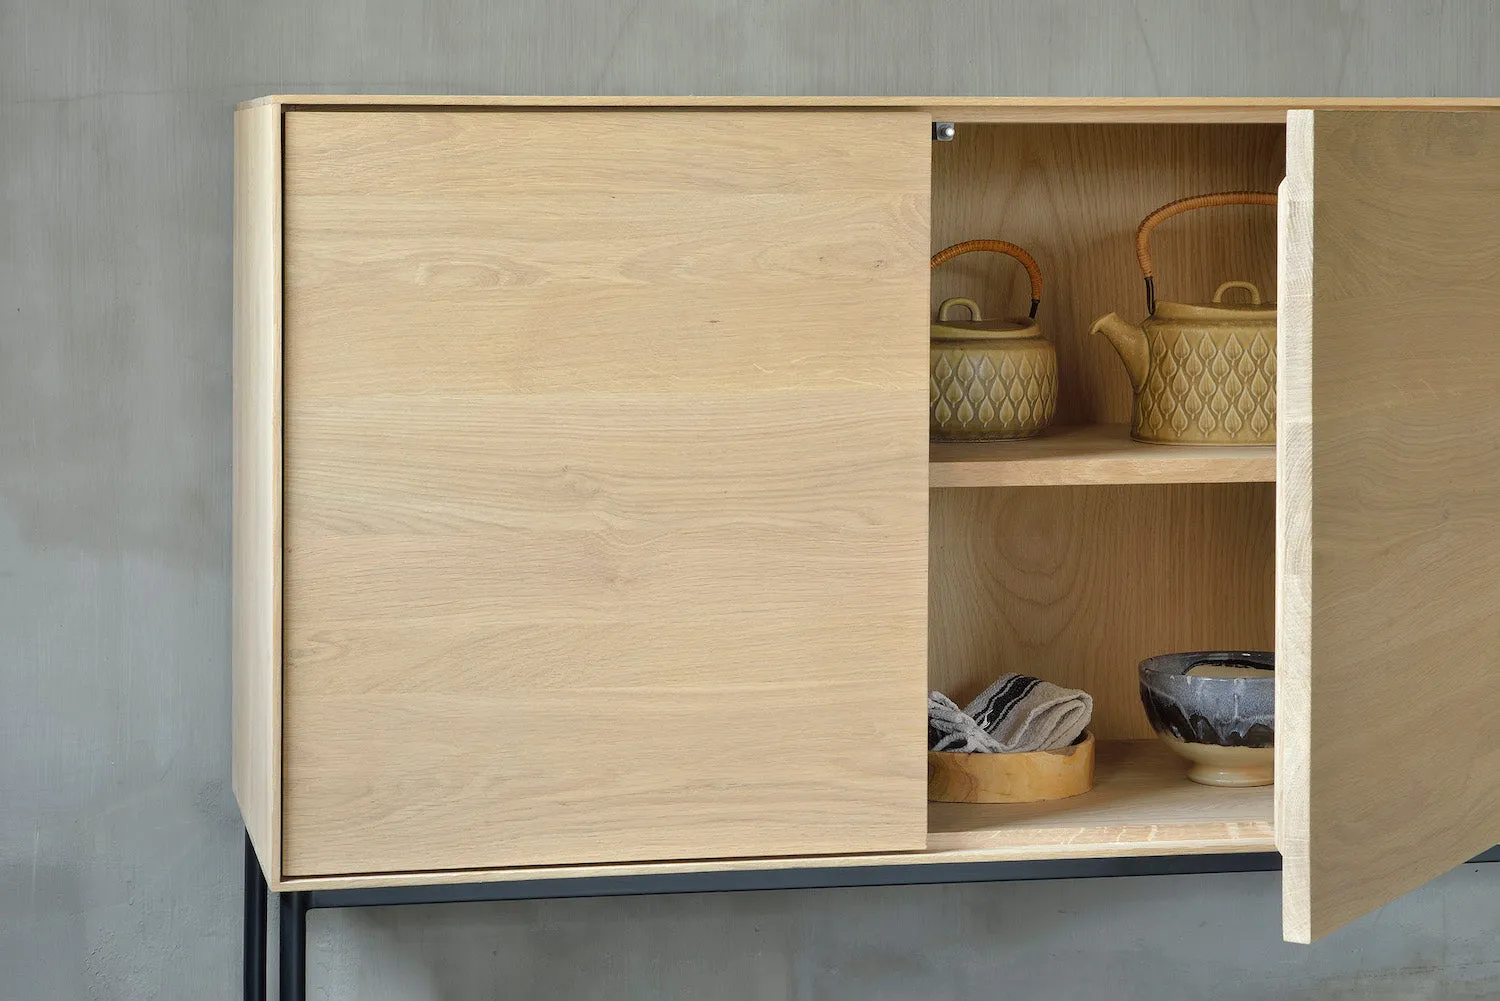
(1031, 777)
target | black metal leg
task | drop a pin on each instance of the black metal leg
(294, 945)
(255, 926)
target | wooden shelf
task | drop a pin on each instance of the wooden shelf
(1142, 804)
(1093, 454)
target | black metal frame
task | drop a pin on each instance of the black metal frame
(293, 906)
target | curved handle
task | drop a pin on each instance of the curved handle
(959, 300)
(1167, 211)
(998, 247)
(1250, 287)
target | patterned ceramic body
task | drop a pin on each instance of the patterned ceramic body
(1223, 719)
(990, 380)
(1212, 380)
(1202, 375)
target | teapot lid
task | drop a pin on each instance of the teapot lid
(978, 327)
(1254, 309)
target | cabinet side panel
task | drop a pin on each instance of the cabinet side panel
(256, 546)
(606, 486)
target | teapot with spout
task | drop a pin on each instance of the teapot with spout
(1203, 374)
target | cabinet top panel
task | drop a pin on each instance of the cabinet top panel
(960, 109)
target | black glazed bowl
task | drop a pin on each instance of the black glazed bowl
(1225, 726)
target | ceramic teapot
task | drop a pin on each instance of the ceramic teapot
(990, 379)
(1203, 374)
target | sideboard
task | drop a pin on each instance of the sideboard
(586, 526)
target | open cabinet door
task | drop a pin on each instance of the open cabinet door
(1388, 507)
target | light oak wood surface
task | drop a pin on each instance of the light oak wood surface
(606, 484)
(1093, 454)
(1024, 777)
(1390, 549)
(449, 311)
(256, 539)
(1142, 804)
(1222, 110)
(1078, 585)
(1141, 797)
(1073, 196)
(1293, 750)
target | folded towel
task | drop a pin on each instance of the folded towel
(949, 728)
(1016, 713)
(1029, 714)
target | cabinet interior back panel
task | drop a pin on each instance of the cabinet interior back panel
(606, 486)
(1073, 196)
(1078, 585)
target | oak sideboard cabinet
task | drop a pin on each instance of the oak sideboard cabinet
(586, 523)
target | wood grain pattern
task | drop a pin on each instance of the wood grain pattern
(1221, 110)
(1390, 553)
(256, 492)
(606, 477)
(1078, 585)
(1098, 454)
(1026, 777)
(1142, 804)
(1141, 796)
(1293, 750)
(1073, 196)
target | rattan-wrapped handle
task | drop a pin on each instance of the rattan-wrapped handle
(1167, 211)
(998, 247)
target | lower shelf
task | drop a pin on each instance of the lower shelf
(1141, 805)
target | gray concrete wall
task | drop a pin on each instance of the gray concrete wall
(119, 846)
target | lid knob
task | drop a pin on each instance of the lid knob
(970, 304)
(1247, 286)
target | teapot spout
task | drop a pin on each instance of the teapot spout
(1130, 341)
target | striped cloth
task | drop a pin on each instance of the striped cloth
(1016, 713)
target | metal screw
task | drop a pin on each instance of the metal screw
(943, 132)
